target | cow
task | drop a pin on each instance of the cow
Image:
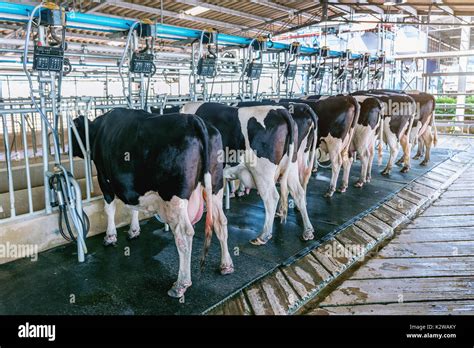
(167, 165)
(264, 136)
(337, 118)
(307, 123)
(398, 115)
(365, 134)
(424, 132)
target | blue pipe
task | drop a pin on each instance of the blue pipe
(161, 29)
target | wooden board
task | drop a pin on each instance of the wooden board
(306, 275)
(428, 249)
(389, 215)
(404, 289)
(457, 194)
(416, 267)
(454, 201)
(373, 226)
(442, 221)
(436, 176)
(450, 210)
(446, 234)
(406, 308)
(412, 196)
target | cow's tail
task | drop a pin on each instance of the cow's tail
(433, 124)
(355, 103)
(286, 171)
(380, 145)
(381, 129)
(291, 132)
(207, 192)
(312, 150)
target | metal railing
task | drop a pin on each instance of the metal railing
(22, 149)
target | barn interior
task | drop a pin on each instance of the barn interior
(208, 51)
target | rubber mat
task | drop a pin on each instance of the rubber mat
(134, 276)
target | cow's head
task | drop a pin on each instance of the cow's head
(79, 124)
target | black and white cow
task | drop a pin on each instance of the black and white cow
(307, 122)
(398, 115)
(166, 165)
(424, 132)
(365, 135)
(337, 118)
(264, 137)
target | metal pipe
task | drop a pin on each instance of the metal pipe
(11, 188)
(27, 165)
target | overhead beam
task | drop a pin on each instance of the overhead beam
(270, 21)
(226, 10)
(166, 13)
(409, 9)
(279, 7)
(99, 7)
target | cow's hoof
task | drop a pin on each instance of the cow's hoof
(308, 234)
(359, 184)
(424, 163)
(368, 179)
(342, 189)
(385, 172)
(178, 290)
(110, 240)
(416, 157)
(405, 170)
(227, 269)
(260, 241)
(329, 192)
(133, 234)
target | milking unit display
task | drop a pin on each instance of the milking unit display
(281, 119)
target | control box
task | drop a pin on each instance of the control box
(142, 63)
(290, 71)
(48, 58)
(207, 67)
(254, 70)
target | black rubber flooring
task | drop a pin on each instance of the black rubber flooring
(110, 282)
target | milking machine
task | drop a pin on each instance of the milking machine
(204, 66)
(47, 23)
(289, 72)
(341, 76)
(252, 68)
(378, 75)
(141, 66)
(360, 73)
(318, 69)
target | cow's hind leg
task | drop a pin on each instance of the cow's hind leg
(220, 227)
(427, 138)
(177, 217)
(134, 231)
(346, 165)
(419, 151)
(368, 177)
(298, 194)
(364, 159)
(266, 187)
(111, 233)
(406, 146)
(394, 148)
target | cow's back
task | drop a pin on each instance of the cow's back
(137, 152)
